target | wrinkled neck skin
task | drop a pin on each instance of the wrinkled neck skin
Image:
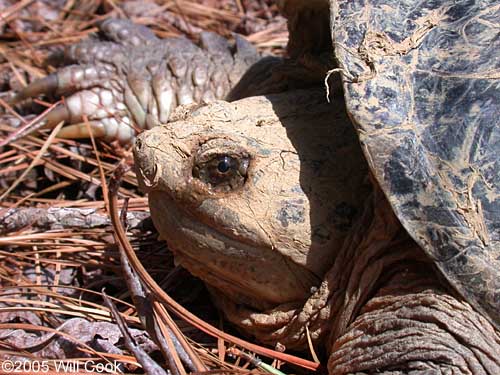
(381, 307)
(361, 264)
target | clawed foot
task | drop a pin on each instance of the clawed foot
(128, 80)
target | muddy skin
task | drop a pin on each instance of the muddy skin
(266, 200)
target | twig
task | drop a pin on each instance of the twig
(34, 161)
(150, 366)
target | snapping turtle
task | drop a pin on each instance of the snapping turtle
(270, 206)
(267, 200)
(249, 211)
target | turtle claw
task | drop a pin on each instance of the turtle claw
(125, 32)
(83, 130)
(48, 84)
(89, 98)
(108, 128)
(106, 116)
(59, 114)
(66, 80)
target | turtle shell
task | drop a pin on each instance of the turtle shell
(422, 87)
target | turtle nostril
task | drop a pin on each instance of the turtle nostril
(138, 144)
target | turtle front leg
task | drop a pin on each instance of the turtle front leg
(127, 79)
(412, 325)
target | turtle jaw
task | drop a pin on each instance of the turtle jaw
(249, 272)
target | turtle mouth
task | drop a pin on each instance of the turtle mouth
(189, 237)
(253, 273)
(182, 221)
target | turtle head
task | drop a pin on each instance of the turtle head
(232, 192)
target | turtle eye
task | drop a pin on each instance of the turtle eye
(225, 164)
(222, 172)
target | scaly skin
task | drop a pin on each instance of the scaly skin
(130, 80)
